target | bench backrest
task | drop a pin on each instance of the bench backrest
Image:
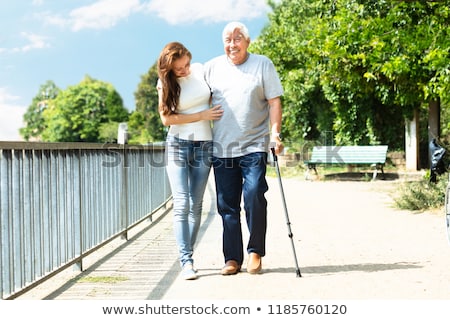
(349, 154)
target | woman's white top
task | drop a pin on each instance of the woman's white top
(194, 97)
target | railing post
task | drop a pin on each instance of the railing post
(78, 229)
(5, 223)
(124, 193)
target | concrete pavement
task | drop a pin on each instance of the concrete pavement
(351, 243)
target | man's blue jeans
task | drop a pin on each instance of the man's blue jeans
(188, 168)
(236, 177)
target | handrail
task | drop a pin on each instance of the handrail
(61, 201)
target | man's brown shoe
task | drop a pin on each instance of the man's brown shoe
(254, 264)
(231, 267)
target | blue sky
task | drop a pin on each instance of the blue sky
(115, 41)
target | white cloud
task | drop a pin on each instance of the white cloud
(11, 117)
(181, 11)
(53, 19)
(34, 42)
(102, 14)
(5, 97)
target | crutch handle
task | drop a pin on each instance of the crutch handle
(274, 154)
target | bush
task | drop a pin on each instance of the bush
(422, 195)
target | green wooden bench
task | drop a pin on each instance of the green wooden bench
(348, 155)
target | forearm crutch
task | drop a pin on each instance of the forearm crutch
(277, 168)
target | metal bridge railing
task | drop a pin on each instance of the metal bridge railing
(61, 201)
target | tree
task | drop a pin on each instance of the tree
(380, 66)
(145, 124)
(33, 118)
(77, 113)
(290, 40)
(362, 65)
(361, 116)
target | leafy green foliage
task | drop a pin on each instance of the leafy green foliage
(145, 124)
(77, 113)
(290, 40)
(358, 68)
(33, 117)
(422, 195)
(108, 132)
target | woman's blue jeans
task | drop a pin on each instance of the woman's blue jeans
(188, 168)
(236, 177)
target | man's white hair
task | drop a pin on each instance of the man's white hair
(230, 27)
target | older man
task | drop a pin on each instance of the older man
(248, 88)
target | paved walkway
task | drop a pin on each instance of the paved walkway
(350, 242)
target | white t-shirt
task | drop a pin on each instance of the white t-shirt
(243, 92)
(194, 97)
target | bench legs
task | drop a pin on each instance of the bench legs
(375, 171)
(307, 173)
(376, 167)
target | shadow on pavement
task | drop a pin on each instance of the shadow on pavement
(364, 267)
(361, 176)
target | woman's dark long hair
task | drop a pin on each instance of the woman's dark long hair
(170, 87)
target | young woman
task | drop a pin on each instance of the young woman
(184, 105)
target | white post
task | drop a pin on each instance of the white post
(412, 142)
(122, 135)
